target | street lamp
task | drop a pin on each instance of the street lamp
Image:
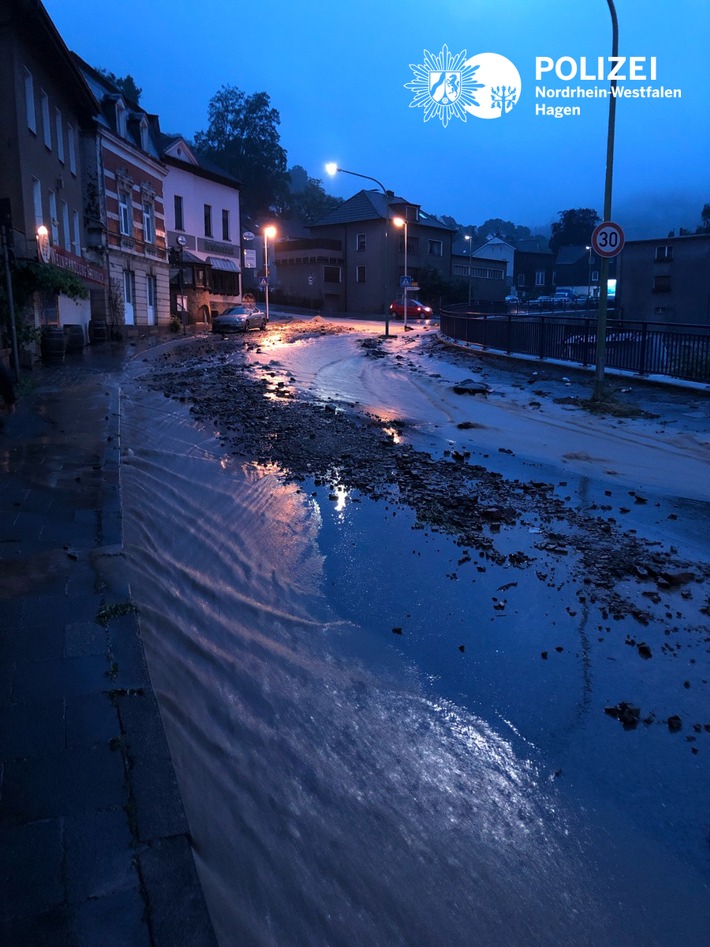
(589, 276)
(604, 268)
(332, 169)
(269, 231)
(470, 251)
(401, 222)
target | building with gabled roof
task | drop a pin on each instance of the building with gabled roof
(365, 253)
(129, 219)
(202, 216)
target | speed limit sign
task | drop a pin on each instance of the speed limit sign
(608, 239)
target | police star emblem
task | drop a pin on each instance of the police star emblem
(444, 86)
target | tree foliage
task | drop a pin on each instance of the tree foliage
(705, 220)
(126, 85)
(574, 228)
(243, 138)
(307, 201)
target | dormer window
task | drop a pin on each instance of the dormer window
(121, 119)
(145, 138)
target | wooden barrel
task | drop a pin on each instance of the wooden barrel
(52, 344)
(98, 331)
(74, 339)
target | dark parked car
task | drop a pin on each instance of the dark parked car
(239, 319)
(415, 309)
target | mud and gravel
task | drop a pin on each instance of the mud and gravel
(260, 416)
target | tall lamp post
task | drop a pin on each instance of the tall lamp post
(604, 267)
(470, 252)
(589, 276)
(401, 222)
(269, 232)
(332, 169)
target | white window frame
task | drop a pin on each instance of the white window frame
(539, 277)
(148, 222)
(66, 232)
(125, 214)
(30, 109)
(361, 273)
(76, 234)
(53, 219)
(71, 144)
(59, 133)
(151, 295)
(46, 123)
(360, 242)
(208, 222)
(436, 248)
(37, 202)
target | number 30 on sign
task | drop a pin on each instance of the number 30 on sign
(608, 239)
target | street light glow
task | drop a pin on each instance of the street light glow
(270, 231)
(331, 168)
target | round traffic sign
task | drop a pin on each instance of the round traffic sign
(608, 239)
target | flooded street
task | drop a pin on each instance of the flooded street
(434, 664)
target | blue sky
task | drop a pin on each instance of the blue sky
(336, 73)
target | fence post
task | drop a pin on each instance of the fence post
(542, 338)
(642, 353)
(485, 330)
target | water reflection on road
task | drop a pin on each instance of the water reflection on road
(365, 752)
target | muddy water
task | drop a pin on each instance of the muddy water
(348, 783)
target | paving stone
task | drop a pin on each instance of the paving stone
(31, 729)
(158, 804)
(91, 720)
(82, 638)
(100, 856)
(49, 929)
(178, 911)
(18, 643)
(28, 884)
(115, 920)
(70, 783)
(66, 678)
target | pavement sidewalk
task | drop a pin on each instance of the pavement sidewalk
(95, 848)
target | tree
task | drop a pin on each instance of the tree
(307, 201)
(126, 85)
(704, 220)
(243, 138)
(574, 228)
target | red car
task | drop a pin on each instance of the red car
(415, 309)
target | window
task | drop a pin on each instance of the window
(539, 277)
(224, 283)
(179, 220)
(37, 202)
(145, 137)
(129, 297)
(66, 233)
(208, 220)
(148, 222)
(59, 134)
(46, 127)
(360, 242)
(151, 292)
(124, 214)
(54, 222)
(121, 119)
(30, 102)
(76, 233)
(661, 284)
(595, 276)
(71, 145)
(331, 274)
(664, 254)
(521, 279)
(225, 225)
(360, 274)
(436, 248)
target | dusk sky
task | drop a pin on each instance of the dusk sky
(336, 72)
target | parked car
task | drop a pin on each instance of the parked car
(239, 319)
(513, 300)
(415, 309)
(543, 302)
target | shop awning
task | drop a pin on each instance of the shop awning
(219, 263)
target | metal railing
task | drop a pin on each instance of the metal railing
(645, 348)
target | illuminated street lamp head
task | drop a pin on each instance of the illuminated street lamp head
(42, 231)
(270, 231)
(331, 168)
(399, 221)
